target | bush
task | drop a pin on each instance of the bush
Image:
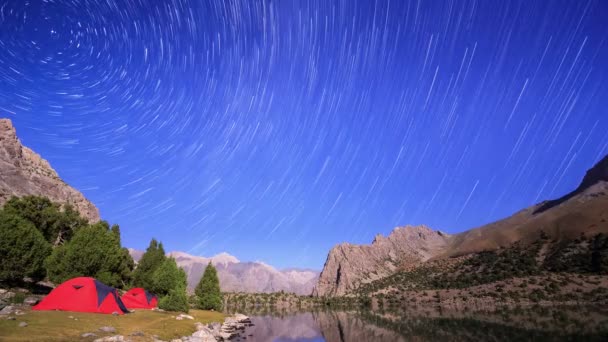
(176, 300)
(168, 277)
(23, 249)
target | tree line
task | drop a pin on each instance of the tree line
(40, 240)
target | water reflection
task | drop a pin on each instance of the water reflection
(538, 324)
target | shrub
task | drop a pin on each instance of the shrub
(176, 300)
(168, 277)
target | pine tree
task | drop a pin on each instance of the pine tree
(153, 258)
(208, 290)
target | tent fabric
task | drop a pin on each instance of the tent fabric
(83, 294)
(139, 298)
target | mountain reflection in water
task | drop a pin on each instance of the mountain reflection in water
(543, 324)
(318, 326)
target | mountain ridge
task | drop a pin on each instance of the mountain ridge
(24, 172)
(242, 276)
(582, 211)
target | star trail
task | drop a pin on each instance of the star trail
(275, 129)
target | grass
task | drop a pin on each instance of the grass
(57, 326)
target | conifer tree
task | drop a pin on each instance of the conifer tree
(153, 258)
(208, 290)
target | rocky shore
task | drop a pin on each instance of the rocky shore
(232, 328)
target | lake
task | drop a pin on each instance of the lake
(537, 324)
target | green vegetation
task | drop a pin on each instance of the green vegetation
(94, 251)
(169, 282)
(579, 256)
(153, 258)
(176, 300)
(208, 290)
(39, 238)
(168, 277)
(55, 222)
(23, 249)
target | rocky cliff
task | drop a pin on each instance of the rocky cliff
(348, 265)
(237, 276)
(23, 172)
(582, 211)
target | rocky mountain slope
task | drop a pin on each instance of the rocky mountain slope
(585, 210)
(237, 276)
(23, 172)
(347, 265)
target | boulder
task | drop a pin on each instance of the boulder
(31, 301)
(137, 333)
(7, 310)
(23, 324)
(203, 335)
(87, 335)
(108, 329)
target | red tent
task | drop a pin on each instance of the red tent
(139, 298)
(83, 295)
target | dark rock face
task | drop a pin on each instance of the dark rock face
(23, 172)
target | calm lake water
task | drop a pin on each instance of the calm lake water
(540, 324)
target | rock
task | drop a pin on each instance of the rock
(19, 313)
(24, 172)
(71, 317)
(203, 335)
(107, 329)
(349, 265)
(87, 335)
(23, 324)
(242, 318)
(6, 294)
(7, 310)
(179, 318)
(31, 301)
(137, 333)
(115, 313)
(116, 338)
(11, 318)
(184, 316)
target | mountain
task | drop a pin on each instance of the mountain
(583, 212)
(23, 172)
(237, 276)
(348, 264)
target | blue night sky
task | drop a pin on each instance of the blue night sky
(273, 130)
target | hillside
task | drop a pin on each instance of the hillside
(23, 172)
(560, 222)
(237, 276)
